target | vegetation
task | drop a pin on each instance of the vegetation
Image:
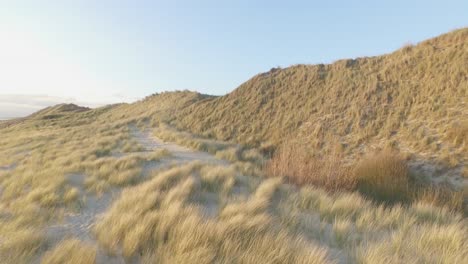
(196, 212)
(300, 167)
(317, 164)
(163, 221)
(41, 157)
(384, 176)
(412, 99)
(71, 251)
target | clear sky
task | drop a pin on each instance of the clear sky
(101, 51)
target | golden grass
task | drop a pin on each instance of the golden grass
(198, 212)
(222, 150)
(71, 195)
(458, 133)
(167, 227)
(70, 251)
(205, 213)
(370, 233)
(132, 146)
(422, 244)
(18, 242)
(342, 229)
(411, 97)
(41, 154)
(166, 220)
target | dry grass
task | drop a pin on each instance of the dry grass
(199, 212)
(39, 156)
(384, 177)
(296, 164)
(423, 244)
(19, 243)
(70, 251)
(458, 133)
(410, 97)
(441, 196)
(367, 233)
(222, 150)
(204, 213)
(342, 230)
(127, 170)
(167, 226)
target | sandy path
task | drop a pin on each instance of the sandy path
(79, 224)
(180, 154)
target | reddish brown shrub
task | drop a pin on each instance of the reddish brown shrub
(298, 166)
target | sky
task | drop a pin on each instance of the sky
(98, 52)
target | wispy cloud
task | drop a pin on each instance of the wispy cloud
(17, 105)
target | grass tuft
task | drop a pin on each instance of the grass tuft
(383, 177)
(70, 251)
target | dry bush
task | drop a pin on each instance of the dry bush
(383, 177)
(298, 166)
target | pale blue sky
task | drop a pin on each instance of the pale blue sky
(108, 50)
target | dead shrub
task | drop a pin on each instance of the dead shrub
(384, 177)
(295, 163)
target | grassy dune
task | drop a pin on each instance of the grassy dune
(40, 156)
(414, 98)
(319, 169)
(197, 212)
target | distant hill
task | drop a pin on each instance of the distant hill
(48, 113)
(58, 111)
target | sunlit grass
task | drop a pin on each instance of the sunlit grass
(322, 203)
(70, 251)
